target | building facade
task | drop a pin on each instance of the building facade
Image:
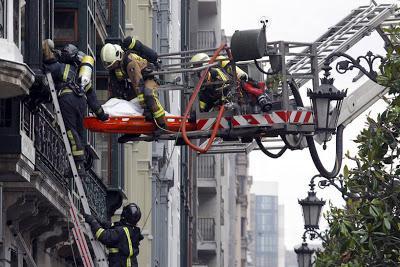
(34, 185)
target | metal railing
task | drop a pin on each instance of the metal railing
(206, 167)
(51, 160)
(206, 39)
(206, 227)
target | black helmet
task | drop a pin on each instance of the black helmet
(131, 214)
(69, 54)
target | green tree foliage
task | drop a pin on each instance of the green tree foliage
(366, 231)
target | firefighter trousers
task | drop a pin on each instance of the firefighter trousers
(73, 109)
(148, 98)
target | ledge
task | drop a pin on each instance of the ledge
(15, 78)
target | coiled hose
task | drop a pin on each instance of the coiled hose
(190, 104)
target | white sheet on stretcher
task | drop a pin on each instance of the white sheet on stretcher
(118, 107)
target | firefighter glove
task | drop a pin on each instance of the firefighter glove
(101, 115)
(89, 218)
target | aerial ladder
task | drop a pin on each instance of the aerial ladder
(290, 124)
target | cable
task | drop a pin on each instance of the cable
(266, 152)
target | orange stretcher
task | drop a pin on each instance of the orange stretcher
(134, 125)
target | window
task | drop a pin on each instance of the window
(3, 20)
(16, 21)
(65, 26)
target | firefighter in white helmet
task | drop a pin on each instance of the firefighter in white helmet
(129, 66)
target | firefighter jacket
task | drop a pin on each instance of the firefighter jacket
(64, 76)
(121, 240)
(214, 89)
(138, 71)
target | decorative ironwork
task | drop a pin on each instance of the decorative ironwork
(50, 151)
(312, 234)
(350, 63)
(96, 195)
(53, 162)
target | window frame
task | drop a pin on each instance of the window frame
(76, 33)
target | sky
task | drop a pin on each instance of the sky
(305, 21)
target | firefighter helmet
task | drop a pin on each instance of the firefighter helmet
(131, 214)
(223, 61)
(69, 54)
(111, 53)
(199, 59)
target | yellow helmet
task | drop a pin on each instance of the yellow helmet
(198, 59)
(223, 61)
(109, 54)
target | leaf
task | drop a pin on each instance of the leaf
(373, 211)
(345, 172)
(386, 223)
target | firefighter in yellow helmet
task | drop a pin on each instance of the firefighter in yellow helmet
(215, 85)
(123, 65)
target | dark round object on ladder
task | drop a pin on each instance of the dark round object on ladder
(248, 44)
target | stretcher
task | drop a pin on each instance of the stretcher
(134, 125)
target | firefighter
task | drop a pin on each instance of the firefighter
(130, 66)
(121, 238)
(215, 85)
(256, 89)
(73, 99)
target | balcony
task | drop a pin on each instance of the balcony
(51, 161)
(208, 7)
(206, 39)
(206, 182)
(206, 236)
(33, 153)
(15, 76)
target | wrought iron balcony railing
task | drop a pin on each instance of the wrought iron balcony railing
(206, 167)
(206, 39)
(51, 159)
(206, 227)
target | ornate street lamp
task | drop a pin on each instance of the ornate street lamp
(326, 102)
(304, 255)
(312, 207)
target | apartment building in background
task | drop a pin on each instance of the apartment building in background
(266, 228)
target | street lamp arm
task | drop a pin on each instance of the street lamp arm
(313, 235)
(351, 63)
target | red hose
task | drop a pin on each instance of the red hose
(190, 104)
(249, 88)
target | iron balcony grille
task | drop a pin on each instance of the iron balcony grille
(206, 39)
(206, 167)
(206, 228)
(51, 160)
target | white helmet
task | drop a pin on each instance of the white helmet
(111, 53)
(198, 59)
